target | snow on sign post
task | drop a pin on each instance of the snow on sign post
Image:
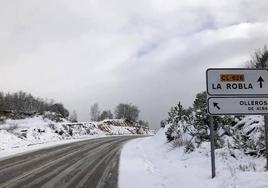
(236, 92)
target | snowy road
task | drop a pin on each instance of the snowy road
(92, 163)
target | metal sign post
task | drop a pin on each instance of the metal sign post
(266, 138)
(212, 144)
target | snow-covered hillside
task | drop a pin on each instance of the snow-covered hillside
(40, 130)
(152, 163)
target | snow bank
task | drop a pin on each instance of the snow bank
(151, 163)
(38, 130)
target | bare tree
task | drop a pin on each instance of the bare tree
(73, 117)
(260, 58)
(106, 114)
(127, 111)
(143, 124)
(95, 112)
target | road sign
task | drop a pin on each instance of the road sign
(237, 92)
(231, 82)
(237, 105)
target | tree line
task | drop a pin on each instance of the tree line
(24, 103)
(129, 112)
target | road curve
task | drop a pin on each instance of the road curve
(90, 164)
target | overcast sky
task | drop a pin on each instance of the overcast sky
(151, 53)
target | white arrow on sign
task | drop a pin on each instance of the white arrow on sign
(237, 105)
(237, 82)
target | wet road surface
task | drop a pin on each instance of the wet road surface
(90, 164)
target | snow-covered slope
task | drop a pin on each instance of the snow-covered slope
(40, 130)
(153, 163)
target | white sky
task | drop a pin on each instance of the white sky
(151, 53)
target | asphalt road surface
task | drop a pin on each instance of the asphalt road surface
(90, 164)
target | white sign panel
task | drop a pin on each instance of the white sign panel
(229, 82)
(237, 105)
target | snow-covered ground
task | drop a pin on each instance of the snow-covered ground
(29, 134)
(152, 163)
